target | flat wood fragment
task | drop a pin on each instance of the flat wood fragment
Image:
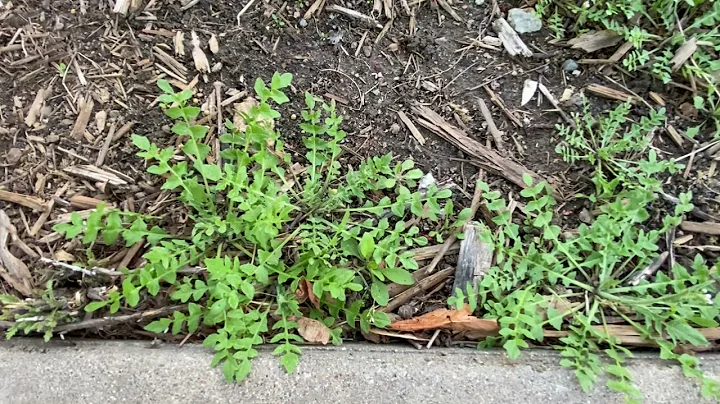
(555, 103)
(354, 14)
(317, 5)
(199, 57)
(630, 336)
(170, 61)
(96, 174)
(12, 270)
(474, 260)
(31, 202)
(445, 6)
(610, 93)
(84, 202)
(34, 112)
(421, 286)
(121, 7)
(411, 127)
(500, 103)
(683, 53)
(483, 156)
(595, 40)
(86, 108)
(709, 228)
(510, 39)
(425, 253)
(674, 135)
(492, 128)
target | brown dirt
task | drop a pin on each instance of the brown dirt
(116, 58)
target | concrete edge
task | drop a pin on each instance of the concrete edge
(91, 371)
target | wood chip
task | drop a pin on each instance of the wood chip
(411, 127)
(179, 43)
(474, 260)
(595, 40)
(95, 174)
(86, 107)
(12, 270)
(371, 22)
(529, 90)
(510, 39)
(213, 44)
(492, 128)
(34, 111)
(710, 228)
(199, 57)
(483, 156)
(31, 202)
(425, 253)
(683, 53)
(84, 202)
(610, 93)
(657, 98)
(674, 135)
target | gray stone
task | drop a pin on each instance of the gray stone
(303, 23)
(524, 21)
(570, 66)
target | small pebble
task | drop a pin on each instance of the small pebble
(394, 128)
(367, 50)
(303, 23)
(570, 66)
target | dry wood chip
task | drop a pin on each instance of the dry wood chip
(610, 93)
(701, 227)
(596, 40)
(201, 61)
(425, 253)
(492, 128)
(657, 98)
(34, 111)
(84, 202)
(100, 120)
(12, 270)
(86, 107)
(474, 260)
(510, 39)
(484, 157)
(214, 45)
(412, 128)
(95, 174)
(529, 90)
(121, 7)
(31, 202)
(354, 14)
(684, 52)
(179, 43)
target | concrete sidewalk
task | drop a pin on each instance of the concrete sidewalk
(131, 372)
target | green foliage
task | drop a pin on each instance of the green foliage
(572, 282)
(656, 29)
(264, 231)
(41, 316)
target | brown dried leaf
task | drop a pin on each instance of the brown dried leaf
(313, 331)
(448, 319)
(310, 294)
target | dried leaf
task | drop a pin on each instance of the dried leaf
(314, 300)
(455, 320)
(313, 330)
(595, 40)
(529, 89)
